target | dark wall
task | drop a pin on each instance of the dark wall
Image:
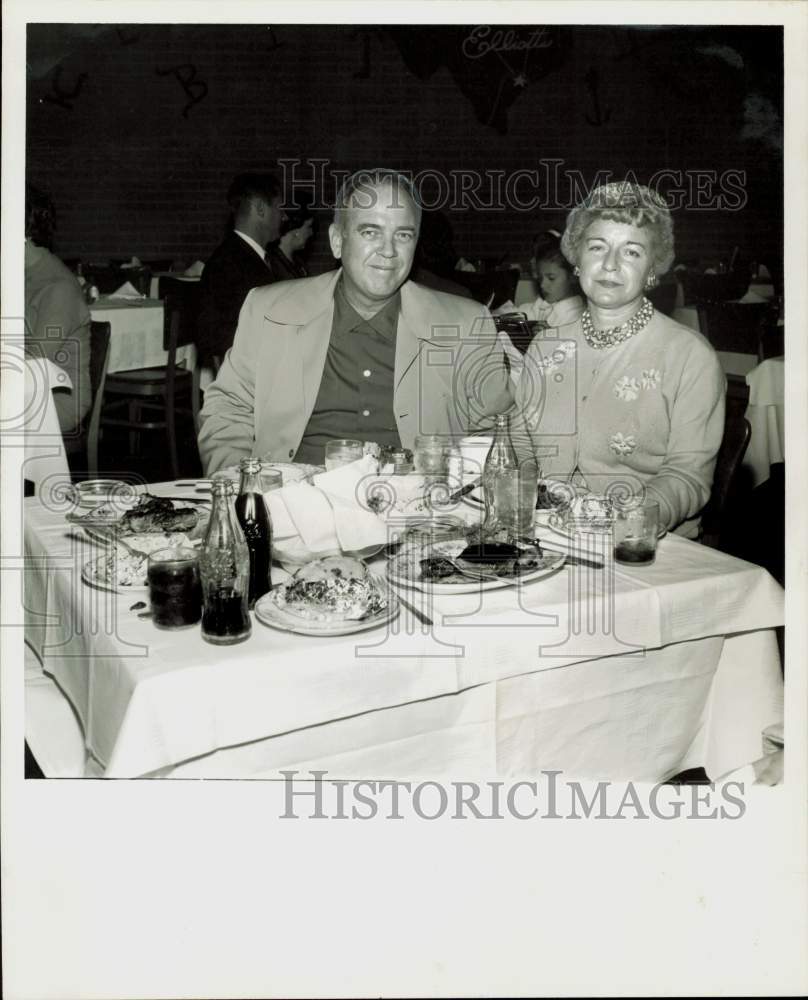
(136, 130)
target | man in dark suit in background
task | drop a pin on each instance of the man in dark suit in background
(239, 263)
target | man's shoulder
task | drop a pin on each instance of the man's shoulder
(442, 305)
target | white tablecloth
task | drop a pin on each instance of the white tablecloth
(136, 333)
(45, 457)
(614, 674)
(766, 415)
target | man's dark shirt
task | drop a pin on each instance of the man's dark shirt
(355, 399)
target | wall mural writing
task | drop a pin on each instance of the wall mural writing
(185, 75)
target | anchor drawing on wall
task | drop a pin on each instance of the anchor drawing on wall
(61, 96)
(593, 86)
(185, 75)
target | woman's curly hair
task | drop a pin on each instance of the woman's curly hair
(632, 204)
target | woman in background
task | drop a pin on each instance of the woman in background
(624, 395)
(57, 320)
(286, 260)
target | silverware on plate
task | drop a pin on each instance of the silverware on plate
(424, 619)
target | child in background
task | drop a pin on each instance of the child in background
(559, 302)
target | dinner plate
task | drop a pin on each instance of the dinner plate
(404, 570)
(93, 573)
(268, 612)
(100, 520)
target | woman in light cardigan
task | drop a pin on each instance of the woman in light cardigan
(624, 397)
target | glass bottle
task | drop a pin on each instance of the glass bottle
(498, 493)
(224, 565)
(253, 516)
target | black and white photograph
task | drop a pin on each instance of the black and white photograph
(399, 560)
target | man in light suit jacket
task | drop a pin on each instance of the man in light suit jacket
(357, 353)
(240, 262)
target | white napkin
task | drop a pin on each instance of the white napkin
(464, 265)
(194, 270)
(126, 291)
(312, 520)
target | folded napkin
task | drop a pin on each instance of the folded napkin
(126, 291)
(194, 270)
(326, 516)
(464, 265)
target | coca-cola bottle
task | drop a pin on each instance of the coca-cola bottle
(224, 565)
(255, 522)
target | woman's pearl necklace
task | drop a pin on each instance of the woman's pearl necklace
(601, 339)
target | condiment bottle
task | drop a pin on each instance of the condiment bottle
(253, 516)
(224, 565)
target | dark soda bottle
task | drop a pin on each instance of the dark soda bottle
(253, 516)
(224, 567)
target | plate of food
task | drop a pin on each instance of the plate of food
(121, 572)
(334, 595)
(122, 568)
(462, 567)
(149, 515)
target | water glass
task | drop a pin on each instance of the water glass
(270, 479)
(342, 452)
(431, 456)
(474, 450)
(175, 588)
(636, 528)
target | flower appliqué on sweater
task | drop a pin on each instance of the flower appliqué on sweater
(626, 388)
(651, 378)
(557, 358)
(622, 444)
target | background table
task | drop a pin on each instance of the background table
(136, 333)
(766, 415)
(680, 669)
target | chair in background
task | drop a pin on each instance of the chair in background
(730, 326)
(663, 297)
(726, 481)
(156, 392)
(85, 441)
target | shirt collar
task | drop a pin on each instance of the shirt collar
(347, 319)
(251, 243)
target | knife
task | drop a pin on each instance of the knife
(424, 619)
(464, 490)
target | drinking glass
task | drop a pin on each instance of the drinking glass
(474, 450)
(431, 456)
(270, 479)
(636, 528)
(342, 452)
(175, 589)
